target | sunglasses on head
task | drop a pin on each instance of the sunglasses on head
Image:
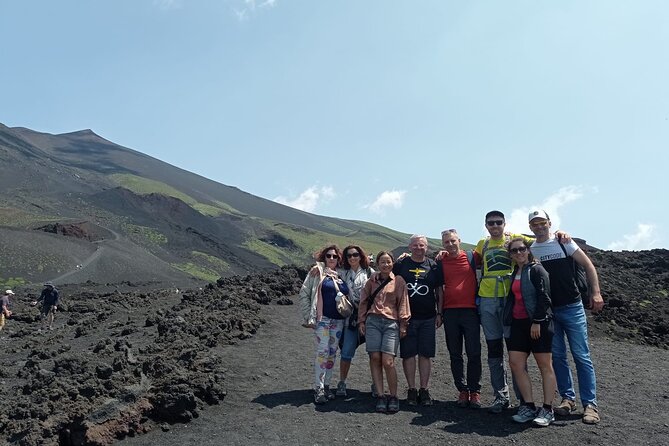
(353, 254)
(518, 250)
(495, 222)
(331, 256)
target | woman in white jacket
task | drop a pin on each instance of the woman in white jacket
(319, 312)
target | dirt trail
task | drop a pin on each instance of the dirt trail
(268, 402)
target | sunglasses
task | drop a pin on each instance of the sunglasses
(539, 223)
(495, 222)
(518, 250)
(353, 254)
(331, 256)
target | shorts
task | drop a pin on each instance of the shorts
(420, 339)
(521, 341)
(349, 343)
(382, 335)
(46, 308)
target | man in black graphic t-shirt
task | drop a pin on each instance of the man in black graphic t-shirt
(424, 280)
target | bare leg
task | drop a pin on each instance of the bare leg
(424, 370)
(518, 363)
(391, 373)
(344, 367)
(545, 363)
(377, 371)
(409, 366)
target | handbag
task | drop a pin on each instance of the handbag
(344, 305)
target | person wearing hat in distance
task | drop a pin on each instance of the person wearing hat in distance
(568, 316)
(4, 308)
(49, 299)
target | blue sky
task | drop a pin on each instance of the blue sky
(419, 116)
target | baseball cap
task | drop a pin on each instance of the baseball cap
(48, 283)
(9, 292)
(538, 214)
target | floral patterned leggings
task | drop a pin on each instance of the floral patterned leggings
(328, 331)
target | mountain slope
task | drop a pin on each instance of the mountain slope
(187, 223)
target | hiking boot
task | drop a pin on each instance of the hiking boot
(499, 405)
(374, 392)
(424, 397)
(320, 397)
(412, 397)
(475, 400)
(393, 404)
(341, 389)
(525, 413)
(381, 404)
(463, 399)
(590, 414)
(329, 393)
(565, 407)
(544, 417)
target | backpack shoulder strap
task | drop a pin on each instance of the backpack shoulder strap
(470, 259)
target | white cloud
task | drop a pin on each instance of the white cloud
(644, 238)
(247, 8)
(517, 221)
(309, 199)
(168, 4)
(387, 199)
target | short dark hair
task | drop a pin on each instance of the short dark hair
(494, 214)
(385, 253)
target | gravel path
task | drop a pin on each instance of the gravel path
(268, 402)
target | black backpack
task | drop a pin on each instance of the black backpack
(580, 278)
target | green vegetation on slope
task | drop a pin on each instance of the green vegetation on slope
(145, 186)
(144, 234)
(203, 266)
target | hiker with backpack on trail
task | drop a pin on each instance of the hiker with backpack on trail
(49, 299)
(460, 318)
(5, 312)
(562, 263)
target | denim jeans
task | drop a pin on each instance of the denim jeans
(570, 320)
(350, 344)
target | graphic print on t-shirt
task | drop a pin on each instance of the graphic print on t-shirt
(497, 260)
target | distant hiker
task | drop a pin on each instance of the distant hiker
(496, 269)
(460, 318)
(4, 308)
(355, 272)
(49, 299)
(569, 315)
(528, 314)
(383, 319)
(424, 280)
(318, 304)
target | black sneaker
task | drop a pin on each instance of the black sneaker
(320, 397)
(424, 397)
(412, 397)
(499, 405)
(329, 393)
(381, 404)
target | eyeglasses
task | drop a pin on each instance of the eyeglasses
(518, 250)
(539, 223)
(331, 256)
(353, 254)
(495, 222)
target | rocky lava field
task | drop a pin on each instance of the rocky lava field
(125, 359)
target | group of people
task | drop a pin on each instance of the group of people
(521, 290)
(48, 300)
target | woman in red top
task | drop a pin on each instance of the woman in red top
(528, 312)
